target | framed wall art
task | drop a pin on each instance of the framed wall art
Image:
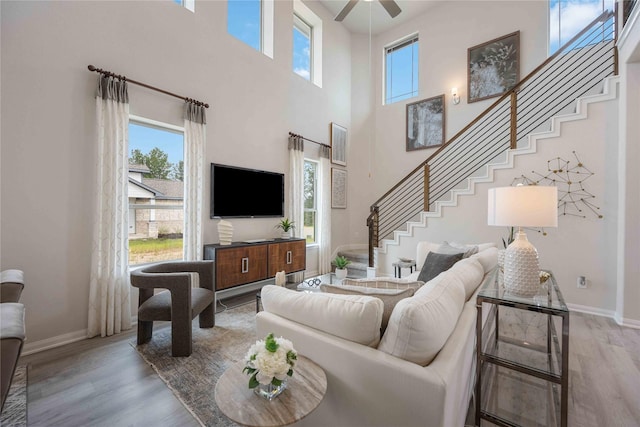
(425, 123)
(493, 67)
(338, 144)
(338, 188)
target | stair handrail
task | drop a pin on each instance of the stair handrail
(374, 208)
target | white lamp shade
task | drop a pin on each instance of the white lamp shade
(523, 206)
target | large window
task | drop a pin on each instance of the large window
(155, 191)
(401, 70)
(310, 201)
(568, 17)
(252, 22)
(302, 34)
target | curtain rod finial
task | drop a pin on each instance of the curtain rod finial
(91, 67)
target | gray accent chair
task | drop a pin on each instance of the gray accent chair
(12, 331)
(180, 304)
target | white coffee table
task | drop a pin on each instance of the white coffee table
(312, 284)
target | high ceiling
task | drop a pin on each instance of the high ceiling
(357, 21)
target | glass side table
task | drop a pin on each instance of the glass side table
(522, 365)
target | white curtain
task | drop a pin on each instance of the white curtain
(109, 299)
(296, 183)
(194, 143)
(324, 210)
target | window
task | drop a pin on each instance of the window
(307, 43)
(301, 48)
(188, 4)
(310, 202)
(401, 70)
(251, 21)
(155, 191)
(568, 17)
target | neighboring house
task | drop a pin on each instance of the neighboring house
(159, 222)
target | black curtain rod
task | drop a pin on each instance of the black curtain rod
(110, 74)
(310, 140)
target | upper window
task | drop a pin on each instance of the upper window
(302, 36)
(155, 191)
(310, 201)
(307, 43)
(188, 4)
(401, 70)
(568, 17)
(252, 22)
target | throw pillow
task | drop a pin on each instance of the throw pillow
(436, 263)
(468, 250)
(389, 297)
(420, 326)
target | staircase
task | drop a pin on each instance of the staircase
(534, 109)
(359, 262)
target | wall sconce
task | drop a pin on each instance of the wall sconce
(455, 96)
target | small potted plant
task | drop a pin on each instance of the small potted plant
(287, 227)
(341, 266)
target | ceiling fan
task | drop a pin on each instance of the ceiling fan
(390, 6)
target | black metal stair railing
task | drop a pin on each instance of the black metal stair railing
(575, 70)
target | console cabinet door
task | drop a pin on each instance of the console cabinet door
(287, 256)
(237, 266)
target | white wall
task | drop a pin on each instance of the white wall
(446, 31)
(48, 121)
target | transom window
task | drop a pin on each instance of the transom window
(251, 21)
(568, 17)
(187, 4)
(401, 70)
(155, 191)
(302, 36)
(310, 201)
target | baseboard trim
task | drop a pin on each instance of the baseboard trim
(630, 323)
(53, 342)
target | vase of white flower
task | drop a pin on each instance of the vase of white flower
(269, 362)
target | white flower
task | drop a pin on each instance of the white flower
(267, 365)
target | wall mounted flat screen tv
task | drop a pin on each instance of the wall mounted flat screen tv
(245, 193)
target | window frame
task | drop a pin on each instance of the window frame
(298, 23)
(397, 45)
(314, 21)
(316, 165)
(266, 22)
(600, 3)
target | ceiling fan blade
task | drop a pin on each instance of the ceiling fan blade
(345, 11)
(391, 7)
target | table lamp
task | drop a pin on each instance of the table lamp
(522, 206)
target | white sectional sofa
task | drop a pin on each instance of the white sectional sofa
(420, 372)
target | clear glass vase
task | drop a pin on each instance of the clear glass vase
(270, 391)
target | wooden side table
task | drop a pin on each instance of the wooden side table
(304, 392)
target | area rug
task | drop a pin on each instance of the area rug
(14, 413)
(193, 379)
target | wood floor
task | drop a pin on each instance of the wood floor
(104, 382)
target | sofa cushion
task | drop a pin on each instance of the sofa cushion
(384, 283)
(420, 326)
(454, 248)
(422, 250)
(355, 318)
(488, 258)
(389, 297)
(436, 263)
(470, 272)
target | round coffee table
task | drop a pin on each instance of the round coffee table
(303, 394)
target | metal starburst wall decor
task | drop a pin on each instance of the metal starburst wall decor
(573, 198)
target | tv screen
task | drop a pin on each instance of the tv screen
(239, 192)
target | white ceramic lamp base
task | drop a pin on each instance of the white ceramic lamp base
(521, 267)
